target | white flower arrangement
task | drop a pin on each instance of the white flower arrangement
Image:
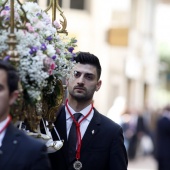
(44, 54)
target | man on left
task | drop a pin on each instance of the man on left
(17, 150)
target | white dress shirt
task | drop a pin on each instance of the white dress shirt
(84, 124)
(2, 134)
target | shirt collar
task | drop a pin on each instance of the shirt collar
(2, 124)
(83, 112)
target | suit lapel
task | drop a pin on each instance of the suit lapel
(92, 129)
(9, 146)
(90, 133)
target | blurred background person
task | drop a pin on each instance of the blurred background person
(117, 109)
(137, 133)
(163, 140)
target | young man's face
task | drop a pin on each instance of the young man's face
(6, 99)
(83, 82)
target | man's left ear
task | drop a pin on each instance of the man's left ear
(98, 85)
(13, 97)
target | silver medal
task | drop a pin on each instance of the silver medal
(77, 165)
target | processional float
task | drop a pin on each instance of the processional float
(38, 46)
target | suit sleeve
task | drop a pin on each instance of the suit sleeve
(41, 162)
(118, 154)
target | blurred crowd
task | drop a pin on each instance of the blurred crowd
(146, 132)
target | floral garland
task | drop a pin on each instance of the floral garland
(44, 54)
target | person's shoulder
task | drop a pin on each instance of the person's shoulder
(105, 120)
(27, 140)
(60, 110)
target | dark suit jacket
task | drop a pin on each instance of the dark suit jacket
(21, 152)
(134, 140)
(102, 150)
(163, 143)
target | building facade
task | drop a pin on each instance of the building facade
(121, 34)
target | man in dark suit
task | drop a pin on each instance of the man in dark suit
(162, 148)
(99, 141)
(17, 150)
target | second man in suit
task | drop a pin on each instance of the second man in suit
(17, 150)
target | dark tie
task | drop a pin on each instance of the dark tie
(72, 138)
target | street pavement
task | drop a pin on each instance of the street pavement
(143, 163)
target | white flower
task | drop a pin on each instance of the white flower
(31, 8)
(47, 33)
(50, 50)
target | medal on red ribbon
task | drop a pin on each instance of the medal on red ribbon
(77, 165)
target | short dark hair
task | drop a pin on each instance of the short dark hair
(88, 58)
(12, 75)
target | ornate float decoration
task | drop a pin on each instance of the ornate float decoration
(40, 49)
